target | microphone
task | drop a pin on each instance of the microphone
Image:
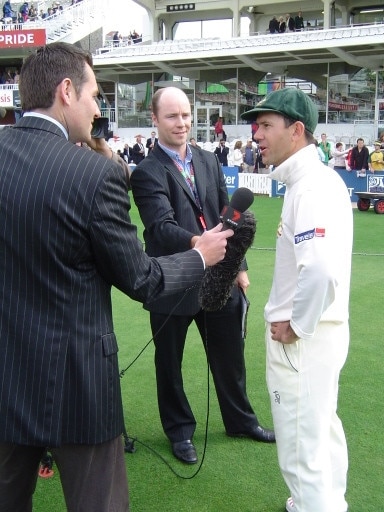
(231, 216)
(216, 285)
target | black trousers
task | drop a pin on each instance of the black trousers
(93, 477)
(221, 330)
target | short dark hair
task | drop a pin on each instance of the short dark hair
(288, 121)
(44, 70)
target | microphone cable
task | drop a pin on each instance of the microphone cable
(129, 441)
(122, 372)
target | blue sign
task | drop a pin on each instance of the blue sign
(372, 182)
(278, 188)
(231, 176)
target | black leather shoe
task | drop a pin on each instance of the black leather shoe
(264, 435)
(185, 451)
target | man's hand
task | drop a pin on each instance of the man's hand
(283, 332)
(212, 244)
(242, 280)
(100, 146)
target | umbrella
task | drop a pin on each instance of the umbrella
(215, 88)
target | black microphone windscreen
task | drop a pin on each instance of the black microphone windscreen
(216, 285)
(242, 199)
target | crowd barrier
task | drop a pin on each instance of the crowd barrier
(262, 184)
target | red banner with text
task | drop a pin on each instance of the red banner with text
(22, 38)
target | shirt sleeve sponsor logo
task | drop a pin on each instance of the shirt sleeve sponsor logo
(308, 235)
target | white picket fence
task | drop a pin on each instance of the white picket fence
(258, 183)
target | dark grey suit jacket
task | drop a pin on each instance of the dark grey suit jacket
(171, 215)
(65, 238)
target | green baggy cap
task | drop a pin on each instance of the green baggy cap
(292, 103)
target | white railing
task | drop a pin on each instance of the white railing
(9, 87)
(257, 183)
(259, 41)
(84, 16)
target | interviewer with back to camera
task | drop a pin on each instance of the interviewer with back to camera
(307, 311)
(66, 238)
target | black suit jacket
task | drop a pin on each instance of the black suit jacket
(137, 157)
(222, 154)
(149, 143)
(170, 214)
(65, 239)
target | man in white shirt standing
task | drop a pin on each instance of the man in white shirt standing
(307, 333)
(138, 151)
(151, 142)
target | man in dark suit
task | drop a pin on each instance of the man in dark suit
(138, 151)
(66, 238)
(151, 142)
(222, 152)
(127, 153)
(180, 192)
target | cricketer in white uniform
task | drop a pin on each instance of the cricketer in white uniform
(307, 332)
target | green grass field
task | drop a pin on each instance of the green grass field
(243, 475)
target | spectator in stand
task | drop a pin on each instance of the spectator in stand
(127, 153)
(135, 37)
(219, 130)
(382, 141)
(33, 13)
(376, 158)
(7, 12)
(237, 156)
(358, 158)
(7, 77)
(282, 25)
(340, 154)
(222, 152)
(138, 150)
(299, 22)
(24, 10)
(249, 157)
(260, 167)
(320, 152)
(273, 26)
(290, 22)
(325, 147)
(151, 142)
(116, 39)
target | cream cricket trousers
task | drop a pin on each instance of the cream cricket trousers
(302, 380)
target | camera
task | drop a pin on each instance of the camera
(100, 127)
